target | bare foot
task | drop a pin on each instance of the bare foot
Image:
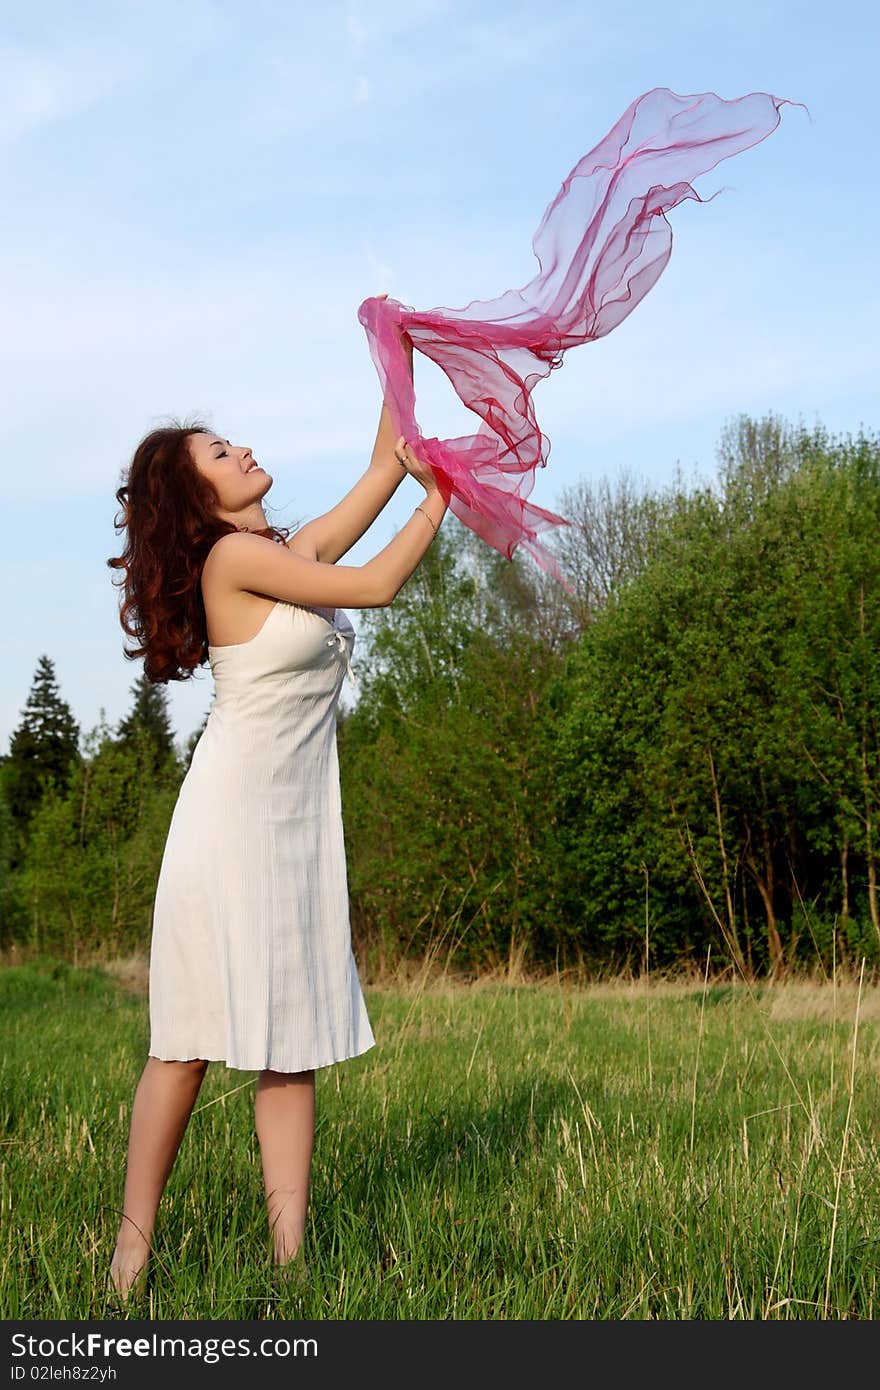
(292, 1269)
(128, 1268)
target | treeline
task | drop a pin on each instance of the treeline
(682, 755)
(83, 820)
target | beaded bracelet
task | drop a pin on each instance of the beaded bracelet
(427, 518)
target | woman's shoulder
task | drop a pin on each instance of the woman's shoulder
(301, 543)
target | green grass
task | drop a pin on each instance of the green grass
(527, 1152)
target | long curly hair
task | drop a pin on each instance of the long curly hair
(169, 517)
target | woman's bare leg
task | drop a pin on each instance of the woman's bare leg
(284, 1112)
(163, 1103)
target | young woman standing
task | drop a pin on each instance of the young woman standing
(251, 961)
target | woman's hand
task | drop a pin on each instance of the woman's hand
(416, 466)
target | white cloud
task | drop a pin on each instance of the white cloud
(95, 53)
(39, 86)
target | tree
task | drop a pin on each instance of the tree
(93, 852)
(438, 762)
(43, 748)
(719, 725)
(149, 712)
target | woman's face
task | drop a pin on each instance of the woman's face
(240, 483)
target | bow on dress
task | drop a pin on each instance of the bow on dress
(337, 639)
(602, 243)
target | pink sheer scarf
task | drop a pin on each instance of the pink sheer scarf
(602, 243)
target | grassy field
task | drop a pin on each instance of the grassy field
(684, 1150)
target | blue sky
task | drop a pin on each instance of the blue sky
(199, 195)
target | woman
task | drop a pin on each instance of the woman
(251, 961)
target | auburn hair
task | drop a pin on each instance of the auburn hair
(169, 517)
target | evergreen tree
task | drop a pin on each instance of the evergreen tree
(43, 747)
(149, 712)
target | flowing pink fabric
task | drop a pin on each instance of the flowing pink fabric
(601, 244)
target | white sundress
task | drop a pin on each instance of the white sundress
(251, 960)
